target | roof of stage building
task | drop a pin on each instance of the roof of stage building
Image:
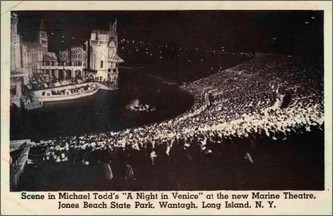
(50, 56)
(116, 58)
(19, 72)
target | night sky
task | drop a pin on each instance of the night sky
(277, 31)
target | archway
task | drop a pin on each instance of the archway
(68, 74)
(78, 73)
(61, 75)
(47, 74)
(53, 74)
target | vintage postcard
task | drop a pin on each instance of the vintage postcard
(166, 107)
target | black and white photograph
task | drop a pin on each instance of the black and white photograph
(166, 100)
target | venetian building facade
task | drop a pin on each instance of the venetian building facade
(38, 54)
(19, 56)
(19, 73)
(103, 60)
(15, 44)
(78, 56)
(64, 57)
(97, 60)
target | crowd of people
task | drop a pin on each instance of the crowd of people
(179, 63)
(40, 81)
(242, 93)
(151, 49)
(184, 148)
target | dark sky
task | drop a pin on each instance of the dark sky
(282, 31)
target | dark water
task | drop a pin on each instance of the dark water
(103, 111)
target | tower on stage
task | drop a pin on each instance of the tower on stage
(42, 37)
(103, 59)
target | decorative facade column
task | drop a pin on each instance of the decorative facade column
(18, 88)
(57, 74)
(73, 73)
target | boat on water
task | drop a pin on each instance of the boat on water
(70, 92)
(136, 108)
(64, 93)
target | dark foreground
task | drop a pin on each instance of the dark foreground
(296, 163)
